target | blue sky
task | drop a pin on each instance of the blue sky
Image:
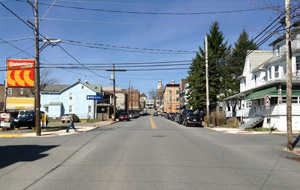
(157, 31)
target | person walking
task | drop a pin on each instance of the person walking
(71, 124)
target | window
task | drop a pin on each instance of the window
(70, 96)
(255, 79)
(274, 100)
(294, 100)
(177, 99)
(46, 109)
(9, 90)
(298, 63)
(276, 71)
(21, 90)
(278, 50)
(82, 87)
(177, 91)
(70, 108)
(283, 99)
(89, 108)
(170, 91)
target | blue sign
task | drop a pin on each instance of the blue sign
(94, 97)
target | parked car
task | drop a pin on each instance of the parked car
(192, 119)
(173, 116)
(124, 116)
(183, 115)
(170, 115)
(155, 113)
(163, 114)
(66, 118)
(26, 119)
(176, 118)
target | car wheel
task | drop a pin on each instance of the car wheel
(63, 121)
(12, 126)
(68, 121)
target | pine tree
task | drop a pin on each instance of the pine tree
(217, 54)
(237, 60)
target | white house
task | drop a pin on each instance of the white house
(57, 100)
(264, 81)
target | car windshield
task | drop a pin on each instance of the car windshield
(26, 114)
(124, 114)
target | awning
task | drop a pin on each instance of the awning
(295, 92)
(261, 93)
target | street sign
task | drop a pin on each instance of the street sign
(94, 97)
(267, 102)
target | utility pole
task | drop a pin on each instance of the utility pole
(129, 97)
(288, 75)
(207, 86)
(37, 69)
(114, 83)
(113, 77)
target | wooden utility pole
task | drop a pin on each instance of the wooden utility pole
(37, 69)
(113, 77)
(114, 83)
(207, 84)
(288, 75)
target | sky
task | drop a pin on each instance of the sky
(98, 32)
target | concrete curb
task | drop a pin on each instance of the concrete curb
(62, 132)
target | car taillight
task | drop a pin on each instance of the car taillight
(187, 118)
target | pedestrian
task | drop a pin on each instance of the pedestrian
(71, 124)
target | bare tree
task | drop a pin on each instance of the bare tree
(46, 79)
(152, 94)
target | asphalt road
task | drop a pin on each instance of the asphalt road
(146, 154)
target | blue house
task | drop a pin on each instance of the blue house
(57, 100)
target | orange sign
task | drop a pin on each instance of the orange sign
(20, 73)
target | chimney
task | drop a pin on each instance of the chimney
(79, 80)
(86, 82)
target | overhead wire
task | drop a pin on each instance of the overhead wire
(127, 47)
(155, 13)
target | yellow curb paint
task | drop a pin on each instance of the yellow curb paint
(10, 136)
(152, 123)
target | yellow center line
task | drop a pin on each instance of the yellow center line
(152, 123)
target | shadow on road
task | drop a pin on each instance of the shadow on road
(21, 153)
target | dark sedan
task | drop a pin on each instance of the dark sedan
(192, 119)
(26, 119)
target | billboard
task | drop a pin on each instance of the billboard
(20, 73)
(15, 103)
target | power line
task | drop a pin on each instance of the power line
(157, 13)
(81, 63)
(123, 63)
(126, 48)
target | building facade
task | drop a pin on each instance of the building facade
(133, 100)
(171, 98)
(183, 94)
(159, 101)
(143, 99)
(57, 100)
(263, 87)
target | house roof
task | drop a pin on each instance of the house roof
(259, 57)
(54, 88)
(59, 88)
(294, 31)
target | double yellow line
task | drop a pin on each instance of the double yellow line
(152, 123)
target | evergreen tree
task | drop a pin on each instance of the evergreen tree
(217, 54)
(237, 61)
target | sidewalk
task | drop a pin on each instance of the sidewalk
(81, 129)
